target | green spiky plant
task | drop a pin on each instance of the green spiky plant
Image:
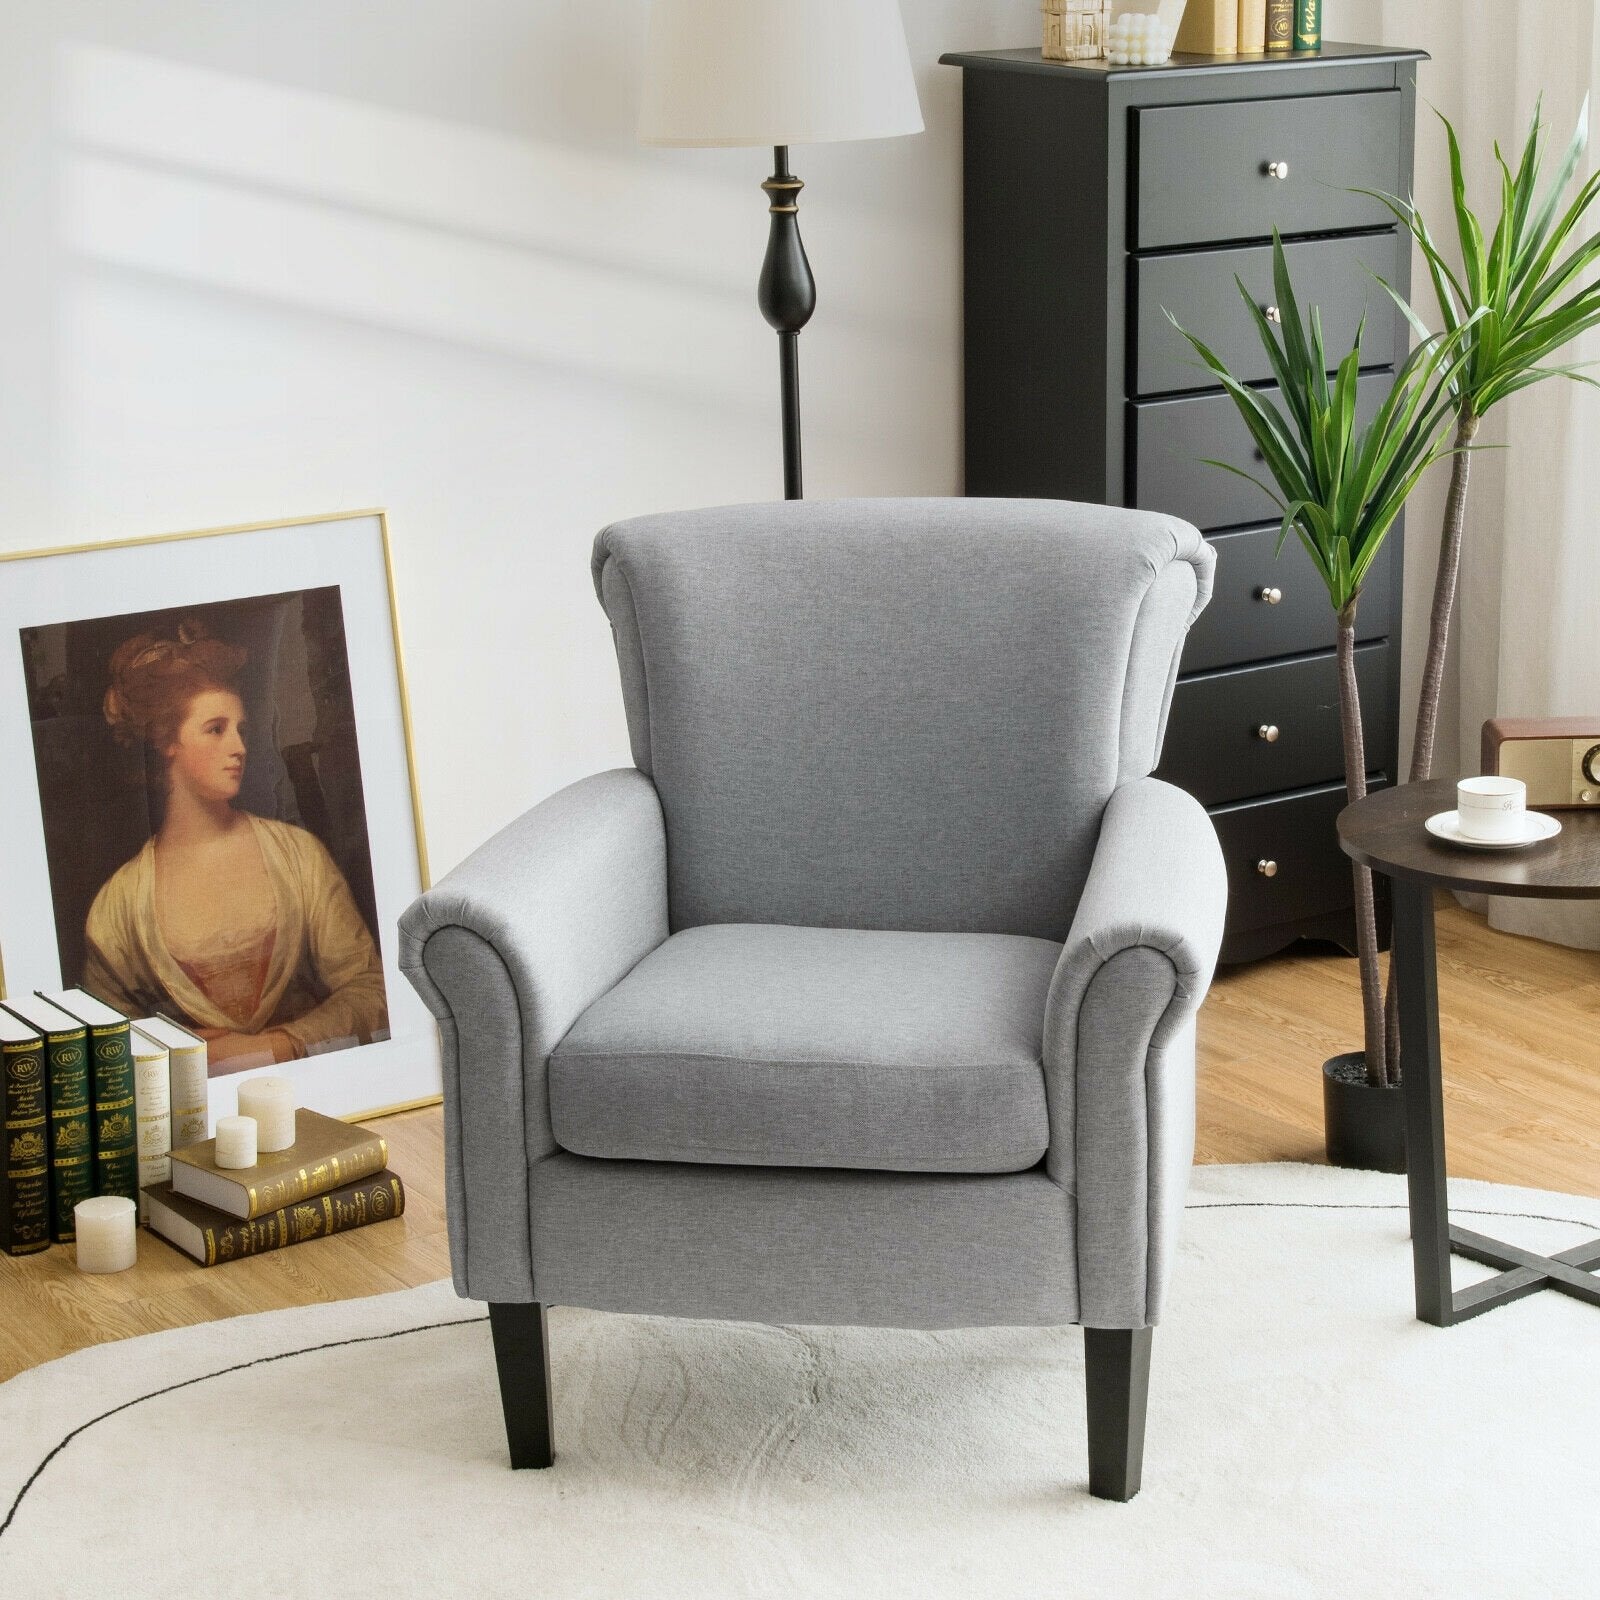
(1340, 487)
(1514, 302)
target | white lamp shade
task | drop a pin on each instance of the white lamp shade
(755, 72)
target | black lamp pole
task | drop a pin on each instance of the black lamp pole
(787, 296)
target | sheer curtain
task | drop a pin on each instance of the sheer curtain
(1526, 640)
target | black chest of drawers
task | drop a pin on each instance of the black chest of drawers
(1099, 198)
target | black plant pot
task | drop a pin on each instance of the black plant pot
(1366, 1127)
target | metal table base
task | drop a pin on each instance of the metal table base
(1433, 1239)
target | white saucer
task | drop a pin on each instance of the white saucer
(1538, 827)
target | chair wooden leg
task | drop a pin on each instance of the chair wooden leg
(1117, 1385)
(522, 1361)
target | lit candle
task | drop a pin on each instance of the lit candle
(236, 1141)
(107, 1241)
(271, 1102)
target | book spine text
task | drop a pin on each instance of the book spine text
(1280, 24)
(1308, 24)
(152, 1093)
(116, 1145)
(188, 1097)
(320, 1176)
(25, 1170)
(375, 1201)
(71, 1135)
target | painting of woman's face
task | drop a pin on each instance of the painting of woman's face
(207, 754)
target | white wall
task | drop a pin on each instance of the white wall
(261, 259)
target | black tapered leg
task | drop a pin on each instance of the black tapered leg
(522, 1360)
(1422, 1084)
(1117, 1386)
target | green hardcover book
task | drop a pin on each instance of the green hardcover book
(25, 1167)
(1308, 24)
(116, 1147)
(66, 1056)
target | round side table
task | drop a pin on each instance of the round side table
(1385, 832)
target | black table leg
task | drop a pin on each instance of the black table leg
(1433, 1239)
(1422, 1083)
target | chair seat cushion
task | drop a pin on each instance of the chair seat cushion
(814, 1047)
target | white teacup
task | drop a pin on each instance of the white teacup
(1492, 808)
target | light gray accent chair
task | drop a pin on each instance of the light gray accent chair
(867, 995)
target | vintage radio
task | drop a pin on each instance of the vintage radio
(1557, 757)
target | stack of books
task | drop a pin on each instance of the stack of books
(80, 1053)
(93, 1102)
(332, 1178)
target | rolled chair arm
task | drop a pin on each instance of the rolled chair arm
(508, 951)
(1119, 1044)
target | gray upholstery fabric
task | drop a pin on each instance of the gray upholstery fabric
(1119, 1043)
(877, 1249)
(814, 1047)
(507, 951)
(915, 716)
(894, 713)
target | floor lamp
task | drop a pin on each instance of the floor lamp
(778, 72)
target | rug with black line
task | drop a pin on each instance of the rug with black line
(1307, 1436)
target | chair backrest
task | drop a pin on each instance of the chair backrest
(894, 713)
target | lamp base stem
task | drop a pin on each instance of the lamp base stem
(789, 381)
(787, 296)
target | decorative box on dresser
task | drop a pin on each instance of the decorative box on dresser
(1097, 200)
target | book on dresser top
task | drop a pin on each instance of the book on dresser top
(25, 1153)
(211, 1237)
(186, 1073)
(116, 1147)
(326, 1154)
(66, 1055)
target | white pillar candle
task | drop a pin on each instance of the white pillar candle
(107, 1241)
(271, 1102)
(236, 1141)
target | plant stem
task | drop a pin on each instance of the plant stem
(1446, 579)
(1444, 596)
(1355, 781)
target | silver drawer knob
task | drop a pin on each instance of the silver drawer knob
(1268, 731)
(1277, 169)
(1267, 869)
(1272, 313)
(1269, 596)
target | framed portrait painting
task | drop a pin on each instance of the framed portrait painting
(211, 807)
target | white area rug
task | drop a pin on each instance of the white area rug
(1307, 1437)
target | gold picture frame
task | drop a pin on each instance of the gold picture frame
(342, 558)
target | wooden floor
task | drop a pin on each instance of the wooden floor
(1521, 1026)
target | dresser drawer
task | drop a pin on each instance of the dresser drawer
(1174, 440)
(1205, 173)
(1283, 858)
(1242, 624)
(1198, 288)
(1215, 747)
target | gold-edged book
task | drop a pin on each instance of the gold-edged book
(325, 1154)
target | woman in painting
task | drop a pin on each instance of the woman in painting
(240, 924)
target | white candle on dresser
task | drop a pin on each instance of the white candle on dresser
(271, 1102)
(236, 1141)
(107, 1240)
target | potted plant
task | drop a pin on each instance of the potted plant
(1515, 301)
(1340, 488)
